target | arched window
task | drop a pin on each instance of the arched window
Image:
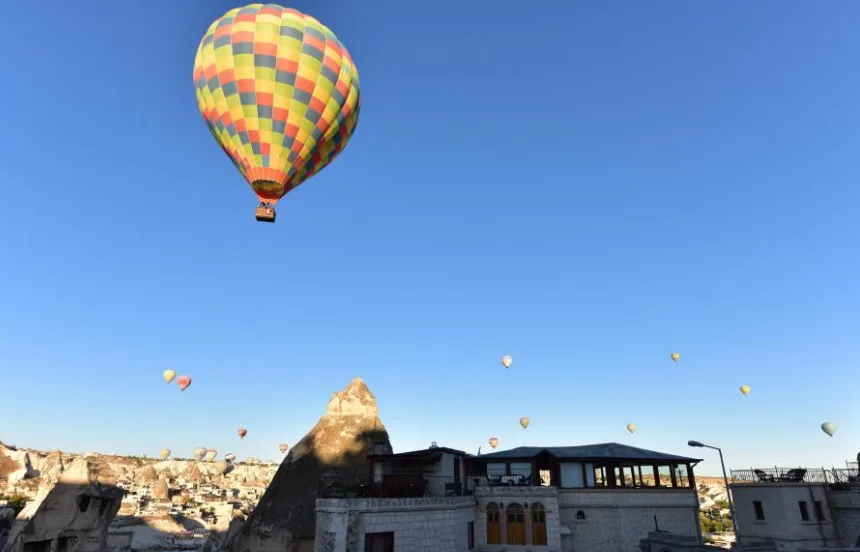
(494, 530)
(580, 515)
(538, 524)
(516, 526)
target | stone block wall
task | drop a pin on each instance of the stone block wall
(418, 524)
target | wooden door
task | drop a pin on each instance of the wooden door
(516, 526)
(538, 525)
(494, 529)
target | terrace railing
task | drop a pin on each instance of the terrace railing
(837, 478)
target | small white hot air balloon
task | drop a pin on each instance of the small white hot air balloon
(507, 361)
(828, 428)
(631, 427)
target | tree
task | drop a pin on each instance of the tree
(17, 503)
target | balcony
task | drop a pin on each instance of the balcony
(835, 478)
(396, 486)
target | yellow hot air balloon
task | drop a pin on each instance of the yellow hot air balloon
(524, 421)
(168, 375)
(283, 448)
(507, 360)
(494, 442)
(676, 357)
(745, 389)
(631, 427)
(165, 453)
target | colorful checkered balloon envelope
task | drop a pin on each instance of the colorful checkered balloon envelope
(279, 92)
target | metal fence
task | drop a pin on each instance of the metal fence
(396, 486)
(831, 476)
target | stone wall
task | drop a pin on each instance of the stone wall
(418, 524)
(616, 520)
(846, 509)
(525, 497)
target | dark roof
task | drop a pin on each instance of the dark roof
(423, 452)
(607, 451)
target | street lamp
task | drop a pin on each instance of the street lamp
(728, 491)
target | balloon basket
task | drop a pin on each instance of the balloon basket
(266, 212)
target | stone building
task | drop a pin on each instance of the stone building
(601, 498)
(798, 508)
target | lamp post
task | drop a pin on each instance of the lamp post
(728, 491)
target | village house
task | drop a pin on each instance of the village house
(601, 498)
(798, 508)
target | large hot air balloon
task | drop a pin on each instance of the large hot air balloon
(675, 356)
(524, 421)
(283, 448)
(745, 389)
(210, 455)
(242, 432)
(280, 94)
(631, 427)
(229, 457)
(494, 442)
(828, 428)
(168, 375)
(183, 382)
(165, 453)
(199, 453)
(507, 360)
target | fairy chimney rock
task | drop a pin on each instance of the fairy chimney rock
(335, 449)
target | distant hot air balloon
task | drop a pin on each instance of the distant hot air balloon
(828, 428)
(210, 455)
(199, 453)
(631, 427)
(229, 458)
(283, 448)
(675, 356)
(168, 375)
(494, 442)
(507, 360)
(242, 432)
(184, 382)
(282, 99)
(165, 453)
(745, 389)
(524, 421)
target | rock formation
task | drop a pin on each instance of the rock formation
(15, 465)
(336, 448)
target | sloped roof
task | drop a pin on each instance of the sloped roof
(600, 451)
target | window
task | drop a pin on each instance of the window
(379, 542)
(580, 515)
(664, 475)
(682, 477)
(599, 476)
(83, 503)
(538, 524)
(804, 511)
(759, 510)
(471, 532)
(516, 526)
(494, 531)
(819, 510)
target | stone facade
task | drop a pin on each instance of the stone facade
(418, 524)
(526, 497)
(597, 520)
(846, 509)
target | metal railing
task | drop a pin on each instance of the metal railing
(396, 486)
(837, 478)
(514, 477)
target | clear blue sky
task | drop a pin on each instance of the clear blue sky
(588, 186)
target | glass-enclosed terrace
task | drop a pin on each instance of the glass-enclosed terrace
(608, 465)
